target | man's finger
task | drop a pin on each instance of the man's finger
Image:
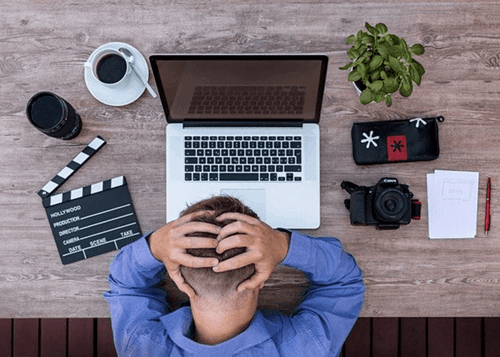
(236, 262)
(235, 241)
(187, 289)
(192, 227)
(194, 262)
(233, 228)
(195, 242)
(188, 217)
(181, 283)
(238, 217)
(256, 280)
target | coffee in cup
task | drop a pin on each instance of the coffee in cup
(109, 67)
(54, 116)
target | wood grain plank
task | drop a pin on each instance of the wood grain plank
(468, 337)
(53, 337)
(385, 337)
(105, 345)
(358, 343)
(440, 337)
(6, 336)
(81, 337)
(413, 337)
(491, 336)
(26, 338)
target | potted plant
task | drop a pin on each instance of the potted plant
(382, 63)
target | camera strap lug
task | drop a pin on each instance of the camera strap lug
(348, 186)
(416, 207)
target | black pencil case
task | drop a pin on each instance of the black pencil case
(395, 141)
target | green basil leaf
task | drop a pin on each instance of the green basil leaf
(383, 75)
(367, 96)
(354, 76)
(352, 54)
(379, 97)
(395, 51)
(381, 28)
(388, 100)
(406, 50)
(414, 74)
(395, 39)
(376, 86)
(394, 64)
(375, 74)
(418, 67)
(371, 29)
(391, 85)
(376, 62)
(383, 50)
(368, 39)
(406, 86)
(417, 49)
(350, 39)
(362, 69)
(347, 66)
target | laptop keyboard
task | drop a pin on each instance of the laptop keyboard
(247, 100)
(243, 158)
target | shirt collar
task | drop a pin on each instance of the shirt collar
(178, 323)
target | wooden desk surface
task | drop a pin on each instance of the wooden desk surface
(44, 43)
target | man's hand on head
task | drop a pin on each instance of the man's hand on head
(266, 247)
(169, 244)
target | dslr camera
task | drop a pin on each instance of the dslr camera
(386, 205)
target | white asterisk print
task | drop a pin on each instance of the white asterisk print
(369, 139)
(418, 121)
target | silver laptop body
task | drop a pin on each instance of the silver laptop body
(244, 126)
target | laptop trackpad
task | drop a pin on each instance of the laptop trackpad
(253, 198)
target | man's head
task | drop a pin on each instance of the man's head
(204, 281)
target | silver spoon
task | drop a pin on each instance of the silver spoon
(130, 59)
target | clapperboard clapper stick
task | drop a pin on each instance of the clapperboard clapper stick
(90, 220)
(72, 167)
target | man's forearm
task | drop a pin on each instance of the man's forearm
(323, 260)
(333, 302)
(135, 272)
(337, 285)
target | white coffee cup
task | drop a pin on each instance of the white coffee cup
(110, 68)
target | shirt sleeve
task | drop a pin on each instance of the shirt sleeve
(136, 299)
(333, 302)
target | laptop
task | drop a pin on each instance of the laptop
(244, 126)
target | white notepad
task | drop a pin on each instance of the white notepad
(452, 204)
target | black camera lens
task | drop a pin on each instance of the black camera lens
(53, 115)
(391, 205)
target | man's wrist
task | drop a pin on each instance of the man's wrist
(151, 239)
(286, 236)
(142, 254)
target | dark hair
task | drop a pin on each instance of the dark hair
(205, 281)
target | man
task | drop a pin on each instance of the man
(220, 254)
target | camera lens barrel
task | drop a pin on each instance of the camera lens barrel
(391, 204)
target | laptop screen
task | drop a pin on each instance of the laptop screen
(240, 87)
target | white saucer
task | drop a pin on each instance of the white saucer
(125, 95)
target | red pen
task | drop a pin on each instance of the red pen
(487, 218)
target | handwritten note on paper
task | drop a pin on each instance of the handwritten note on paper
(452, 204)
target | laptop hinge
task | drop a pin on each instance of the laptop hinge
(242, 123)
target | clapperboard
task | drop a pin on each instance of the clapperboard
(91, 220)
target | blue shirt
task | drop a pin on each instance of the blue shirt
(144, 324)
